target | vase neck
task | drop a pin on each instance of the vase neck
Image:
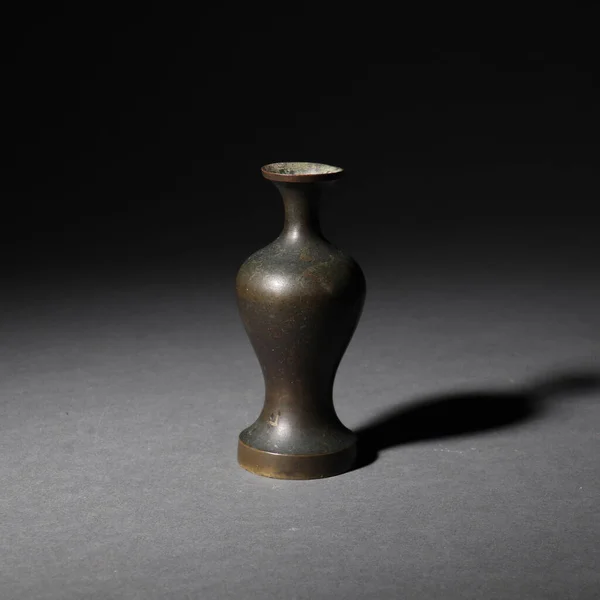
(301, 206)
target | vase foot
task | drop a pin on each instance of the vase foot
(295, 466)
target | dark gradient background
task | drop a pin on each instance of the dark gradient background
(131, 193)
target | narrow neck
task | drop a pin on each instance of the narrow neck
(301, 205)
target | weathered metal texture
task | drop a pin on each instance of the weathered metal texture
(300, 299)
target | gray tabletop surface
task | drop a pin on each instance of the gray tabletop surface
(474, 383)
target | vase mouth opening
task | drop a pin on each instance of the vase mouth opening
(299, 172)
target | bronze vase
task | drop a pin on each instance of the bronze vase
(300, 299)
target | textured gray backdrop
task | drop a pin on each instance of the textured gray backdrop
(473, 378)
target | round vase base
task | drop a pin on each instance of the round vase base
(295, 466)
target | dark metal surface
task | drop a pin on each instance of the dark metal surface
(300, 299)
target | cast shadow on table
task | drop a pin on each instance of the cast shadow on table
(443, 416)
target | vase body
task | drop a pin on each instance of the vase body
(300, 299)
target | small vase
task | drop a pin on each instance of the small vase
(300, 299)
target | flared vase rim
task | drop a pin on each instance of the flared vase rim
(301, 172)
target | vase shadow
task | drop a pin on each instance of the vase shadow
(448, 415)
